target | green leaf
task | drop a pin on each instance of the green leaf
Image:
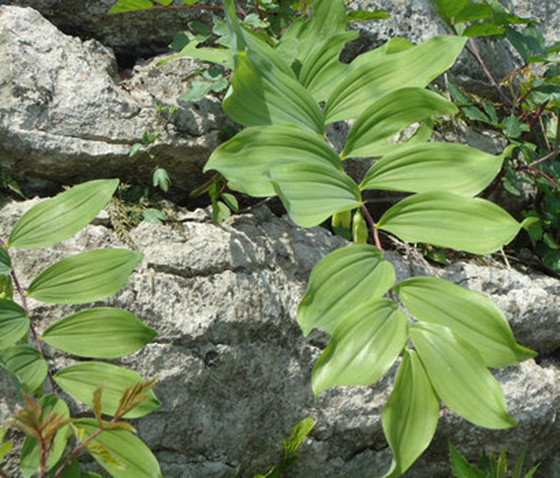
(197, 91)
(461, 467)
(161, 179)
(415, 66)
(14, 323)
(5, 447)
(263, 95)
(322, 66)
(220, 212)
(371, 133)
(469, 315)
(99, 333)
(153, 216)
(449, 220)
(362, 347)
(136, 148)
(123, 6)
(85, 277)
(483, 30)
(410, 415)
(231, 201)
(513, 128)
(342, 282)
(246, 158)
(460, 377)
(219, 56)
(328, 19)
(298, 434)
(5, 262)
(30, 454)
(364, 16)
(82, 379)
(434, 167)
(136, 458)
(62, 216)
(25, 365)
(312, 193)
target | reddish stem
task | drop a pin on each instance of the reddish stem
(79, 447)
(372, 226)
(23, 299)
(474, 51)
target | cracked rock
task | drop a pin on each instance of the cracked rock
(66, 116)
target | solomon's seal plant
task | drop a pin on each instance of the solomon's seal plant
(53, 439)
(446, 336)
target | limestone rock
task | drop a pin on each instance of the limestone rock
(234, 368)
(65, 118)
(131, 35)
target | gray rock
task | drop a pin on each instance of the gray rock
(131, 35)
(66, 118)
(234, 368)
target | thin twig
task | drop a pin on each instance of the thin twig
(25, 306)
(475, 52)
(550, 155)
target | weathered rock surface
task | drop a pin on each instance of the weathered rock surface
(131, 35)
(65, 118)
(234, 367)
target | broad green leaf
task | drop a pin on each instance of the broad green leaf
(14, 323)
(123, 6)
(62, 216)
(449, 220)
(30, 454)
(81, 380)
(410, 415)
(5, 262)
(25, 365)
(460, 377)
(262, 95)
(85, 277)
(362, 347)
(434, 167)
(321, 67)
(415, 66)
(469, 315)
(99, 333)
(342, 282)
(5, 447)
(394, 45)
(302, 38)
(311, 193)
(371, 133)
(136, 458)
(246, 158)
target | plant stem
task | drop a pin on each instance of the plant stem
(550, 155)
(79, 447)
(476, 53)
(36, 338)
(372, 226)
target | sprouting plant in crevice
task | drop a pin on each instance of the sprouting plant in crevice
(160, 177)
(489, 466)
(291, 446)
(54, 439)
